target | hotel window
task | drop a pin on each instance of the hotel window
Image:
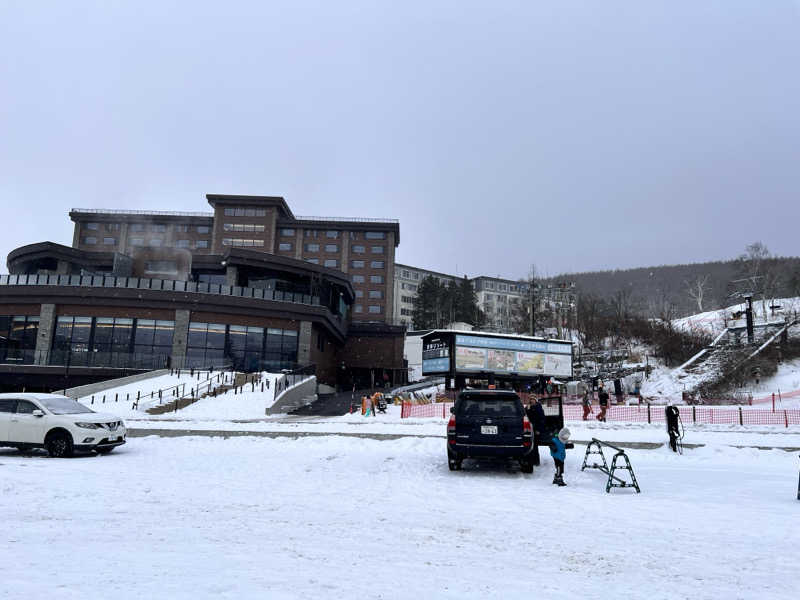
(182, 228)
(241, 211)
(375, 235)
(136, 227)
(415, 276)
(18, 338)
(359, 293)
(357, 308)
(377, 249)
(311, 233)
(90, 240)
(374, 309)
(376, 264)
(248, 227)
(284, 246)
(407, 299)
(312, 247)
(358, 279)
(137, 242)
(313, 261)
(331, 247)
(161, 266)
(158, 228)
(376, 294)
(182, 244)
(107, 241)
(242, 243)
(156, 242)
(112, 226)
(376, 278)
(406, 312)
(287, 232)
(357, 264)
(406, 274)
(353, 235)
(331, 262)
(201, 244)
(332, 235)
(359, 249)
(92, 226)
(203, 229)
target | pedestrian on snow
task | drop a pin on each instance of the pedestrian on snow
(602, 398)
(558, 450)
(535, 414)
(587, 404)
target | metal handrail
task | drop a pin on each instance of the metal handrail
(346, 219)
(157, 213)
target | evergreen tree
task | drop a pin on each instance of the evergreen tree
(424, 312)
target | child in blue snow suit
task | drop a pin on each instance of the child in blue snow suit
(558, 450)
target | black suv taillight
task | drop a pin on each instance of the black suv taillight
(451, 430)
(527, 432)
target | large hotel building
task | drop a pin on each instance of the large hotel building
(249, 285)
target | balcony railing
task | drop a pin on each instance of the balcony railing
(170, 285)
(157, 213)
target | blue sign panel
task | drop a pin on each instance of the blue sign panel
(512, 344)
(435, 365)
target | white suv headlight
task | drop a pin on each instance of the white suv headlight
(88, 425)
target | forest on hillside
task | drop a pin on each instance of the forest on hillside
(680, 290)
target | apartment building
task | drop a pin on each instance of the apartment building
(362, 248)
(406, 282)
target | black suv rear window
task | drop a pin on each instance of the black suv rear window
(489, 406)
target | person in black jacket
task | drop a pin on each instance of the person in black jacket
(602, 398)
(535, 414)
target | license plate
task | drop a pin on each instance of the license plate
(489, 429)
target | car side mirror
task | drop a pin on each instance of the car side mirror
(452, 410)
(38, 413)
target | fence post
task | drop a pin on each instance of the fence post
(740, 416)
(137, 397)
(104, 398)
(92, 399)
(694, 415)
(443, 410)
(648, 413)
(773, 401)
(786, 417)
(116, 398)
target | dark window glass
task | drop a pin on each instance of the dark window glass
(24, 407)
(8, 405)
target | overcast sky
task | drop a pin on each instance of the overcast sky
(573, 135)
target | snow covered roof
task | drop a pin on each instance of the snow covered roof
(496, 335)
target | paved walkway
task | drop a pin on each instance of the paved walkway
(379, 436)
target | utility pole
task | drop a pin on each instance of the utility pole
(532, 299)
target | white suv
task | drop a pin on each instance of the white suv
(57, 423)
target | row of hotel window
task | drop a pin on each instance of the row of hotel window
(146, 343)
(155, 242)
(154, 227)
(288, 246)
(331, 234)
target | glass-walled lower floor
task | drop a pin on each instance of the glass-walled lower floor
(112, 342)
(244, 348)
(133, 343)
(18, 339)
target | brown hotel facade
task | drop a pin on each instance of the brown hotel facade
(249, 285)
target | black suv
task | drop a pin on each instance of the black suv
(489, 424)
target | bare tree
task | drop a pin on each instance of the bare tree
(697, 288)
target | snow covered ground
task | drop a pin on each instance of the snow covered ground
(228, 406)
(337, 517)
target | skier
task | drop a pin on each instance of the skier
(587, 404)
(602, 397)
(558, 450)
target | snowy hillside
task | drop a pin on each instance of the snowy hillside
(713, 322)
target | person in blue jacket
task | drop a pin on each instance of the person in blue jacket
(558, 450)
